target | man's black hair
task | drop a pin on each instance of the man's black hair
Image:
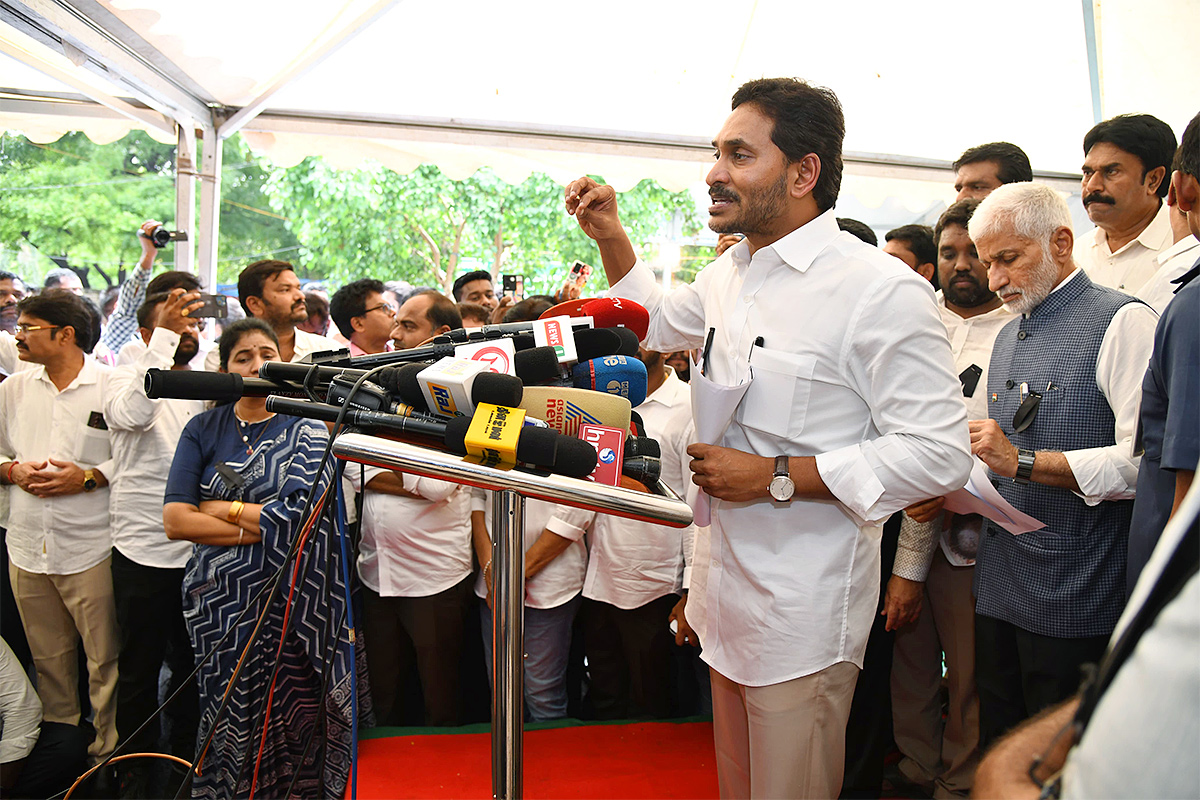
(442, 310)
(529, 309)
(918, 239)
(1012, 165)
(807, 119)
(463, 280)
(255, 276)
(5, 275)
(236, 330)
(350, 301)
(66, 309)
(860, 229)
(1142, 135)
(1187, 160)
(173, 279)
(957, 214)
(145, 312)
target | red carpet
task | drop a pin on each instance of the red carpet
(636, 760)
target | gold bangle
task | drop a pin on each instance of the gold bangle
(235, 512)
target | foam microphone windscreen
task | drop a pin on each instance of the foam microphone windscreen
(523, 341)
(576, 458)
(619, 375)
(629, 341)
(403, 385)
(612, 312)
(497, 389)
(538, 446)
(537, 365)
(596, 342)
(636, 446)
(189, 385)
(456, 434)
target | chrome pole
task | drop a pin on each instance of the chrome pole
(508, 643)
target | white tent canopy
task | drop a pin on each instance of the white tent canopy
(630, 90)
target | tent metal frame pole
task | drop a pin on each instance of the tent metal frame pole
(508, 644)
(1091, 36)
(210, 208)
(185, 197)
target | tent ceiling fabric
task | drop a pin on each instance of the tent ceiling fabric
(920, 81)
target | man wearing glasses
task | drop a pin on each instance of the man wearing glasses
(57, 460)
(363, 316)
(1063, 388)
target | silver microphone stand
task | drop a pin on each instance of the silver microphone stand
(511, 487)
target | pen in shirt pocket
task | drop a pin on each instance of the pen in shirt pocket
(758, 342)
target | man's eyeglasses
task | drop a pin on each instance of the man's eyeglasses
(391, 308)
(23, 328)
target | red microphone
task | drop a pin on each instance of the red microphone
(606, 312)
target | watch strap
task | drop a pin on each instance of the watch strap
(1025, 459)
(781, 466)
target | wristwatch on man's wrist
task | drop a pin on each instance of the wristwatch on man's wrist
(782, 488)
(89, 480)
(1025, 459)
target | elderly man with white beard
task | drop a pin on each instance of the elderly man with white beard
(1063, 391)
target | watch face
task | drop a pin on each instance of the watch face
(782, 488)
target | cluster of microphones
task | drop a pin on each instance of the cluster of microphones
(555, 394)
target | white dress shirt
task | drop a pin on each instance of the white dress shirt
(1110, 473)
(630, 562)
(562, 578)
(133, 351)
(1172, 263)
(305, 343)
(791, 588)
(971, 341)
(1133, 265)
(67, 534)
(20, 709)
(413, 547)
(144, 435)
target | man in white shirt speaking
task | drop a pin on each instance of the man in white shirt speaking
(832, 432)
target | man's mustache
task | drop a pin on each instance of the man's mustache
(718, 192)
(1099, 198)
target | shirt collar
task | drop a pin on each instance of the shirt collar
(797, 249)
(89, 373)
(670, 392)
(1155, 236)
(1182, 246)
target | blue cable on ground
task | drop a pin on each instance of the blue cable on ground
(342, 537)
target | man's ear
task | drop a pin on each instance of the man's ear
(1187, 192)
(66, 335)
(255, 304)
(1062, 241)
(145, 333)
(805, 173)
(1154, 179)
(356, 323)
(441, 330)
(926, 271)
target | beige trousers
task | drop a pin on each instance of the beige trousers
(783, 740)
(56, 610)
(947, 754)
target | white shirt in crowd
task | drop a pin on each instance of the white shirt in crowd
(971, 341)
(133, 350)
(1133, 265)
(561, 579)
(791, 588)
(1110, 473)
(144, 436)
(630, 562)
(67, 534)
(413, 547)
(305, 343)
(1172, 263)
(20, 709)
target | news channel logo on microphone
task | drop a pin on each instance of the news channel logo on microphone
(607, 456)
(443, 400)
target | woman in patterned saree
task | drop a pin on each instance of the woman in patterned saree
(237, 488)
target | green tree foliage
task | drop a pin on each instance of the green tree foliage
(83, 201)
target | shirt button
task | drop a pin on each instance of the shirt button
(1008, 384)
(747, 299)
(1022, 334)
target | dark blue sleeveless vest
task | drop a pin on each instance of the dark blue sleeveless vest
(1066, 580)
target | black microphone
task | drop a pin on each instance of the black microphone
(355, 416)
(643, 469)
(218, 386)
(462, 335)
(338, 358)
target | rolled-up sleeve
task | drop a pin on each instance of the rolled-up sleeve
(1110, 473)
(570, 523)
(20, 709)
(901, 365)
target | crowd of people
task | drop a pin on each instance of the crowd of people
(816, 396)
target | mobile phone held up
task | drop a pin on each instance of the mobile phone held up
(215, 306)
(580, 272)
(513, 286)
